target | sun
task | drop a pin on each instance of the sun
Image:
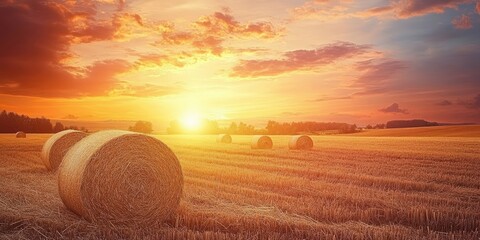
(191, 121)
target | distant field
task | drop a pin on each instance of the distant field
(437, 131)
(347, 187)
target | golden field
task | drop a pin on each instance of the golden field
(437, 131)
(347, 187)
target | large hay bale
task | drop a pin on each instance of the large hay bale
(121, 177)
(55, 148)
(224, 138)
(261, 142)
(20, 134)
(300, 142)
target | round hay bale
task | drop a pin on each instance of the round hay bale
(20, 134)
(224, 138)
(122, 178)
(300, 142)
(55, 148)
(261, 142)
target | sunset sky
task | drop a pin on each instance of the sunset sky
(353, 61)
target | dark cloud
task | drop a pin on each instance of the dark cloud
(472, 104)
(35, 42)
(394, 108)
(444, 103)
(298, 60)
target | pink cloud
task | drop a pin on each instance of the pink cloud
(410, 8)
(462, 22)
(413, 8)
(298, 60)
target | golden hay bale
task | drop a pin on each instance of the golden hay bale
(301, 142)
(224, 138)
(121, 177)
(261, 142)
(20, 135)
(55, 148)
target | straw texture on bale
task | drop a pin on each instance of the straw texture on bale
(121, 177)
(261, 142)
(224, 138)
(55, 148)
(300, 142)
(20, 135)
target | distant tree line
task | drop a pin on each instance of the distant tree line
(272, 127)
(410, 123)
(11, 122)
(308, 127)
(141, 127)
(378, 126)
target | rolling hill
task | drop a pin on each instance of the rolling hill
(436, 131)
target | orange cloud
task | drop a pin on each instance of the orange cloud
(178, 60)
(209, 33)
(478, 7)
(462, 22)
(322, 9)
(298, 60)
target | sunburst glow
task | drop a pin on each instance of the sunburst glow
(191, 121)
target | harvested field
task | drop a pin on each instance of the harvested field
(346, 187)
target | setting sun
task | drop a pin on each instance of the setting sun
(191, 121)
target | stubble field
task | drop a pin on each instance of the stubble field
(347, 187)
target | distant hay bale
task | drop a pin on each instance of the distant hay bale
(300, 142)
(55, 148)
(261, 142)
(121, 177)
(20, 135)
(224, 138)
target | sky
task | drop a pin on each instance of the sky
(353, 61)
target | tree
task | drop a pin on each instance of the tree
(142, 127)
(58, 127)
(233, 128)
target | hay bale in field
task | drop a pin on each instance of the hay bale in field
(224, 138)
(55, 148)
(121, 177)
(300, 142)
(261, 142)
(20, 134)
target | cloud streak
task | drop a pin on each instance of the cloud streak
(413, 8)
(376, 75)
(298, 60)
